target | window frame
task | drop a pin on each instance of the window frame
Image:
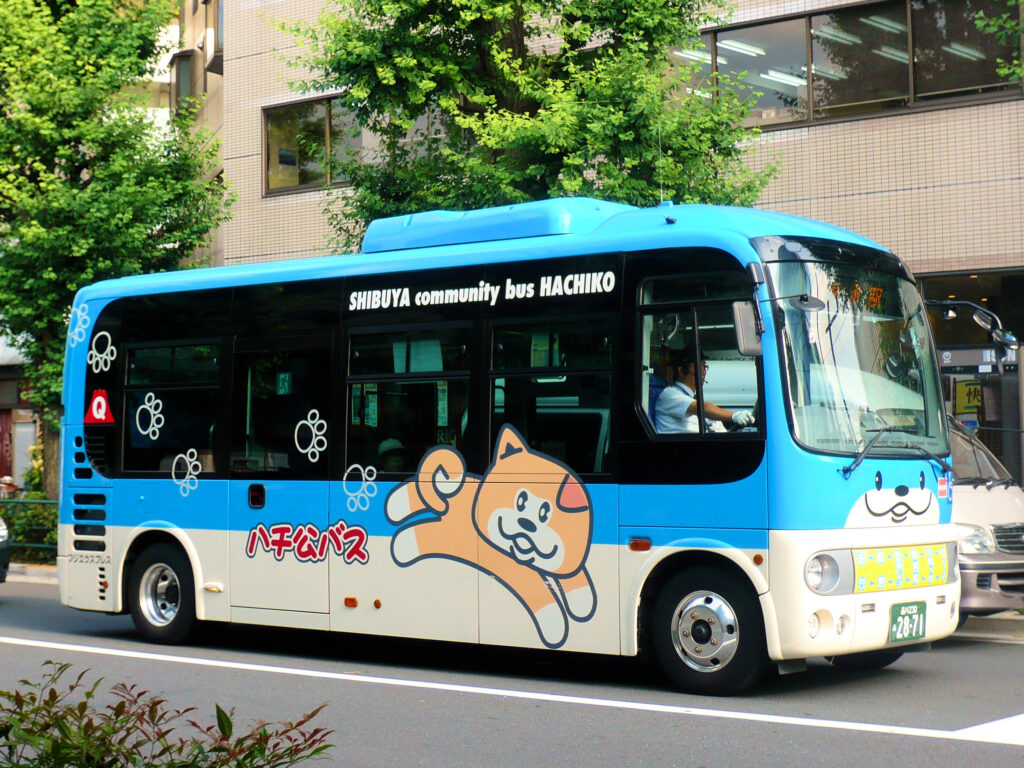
(216, 385)
(694, 308)
(493, 374)
(916, 102)
(348, 379)
(329, 102)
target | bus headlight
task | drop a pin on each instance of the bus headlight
(822, 573)
(975, 539)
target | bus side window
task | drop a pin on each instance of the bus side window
(407, 392)
(280, 419)
(692, 379)
(172, 404)
(552, 383)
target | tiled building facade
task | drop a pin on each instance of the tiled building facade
(928, 162)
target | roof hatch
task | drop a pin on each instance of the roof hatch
(563, 216)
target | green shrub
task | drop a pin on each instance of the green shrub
(34, 524)
(55, 724)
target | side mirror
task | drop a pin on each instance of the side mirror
(748, 340)
(1004, 339)
(984, 319)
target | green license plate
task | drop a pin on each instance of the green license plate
(906, 622)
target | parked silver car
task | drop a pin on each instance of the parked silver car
(988, 509)
(5, 550)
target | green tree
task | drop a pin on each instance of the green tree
(489, 102)
(1007, 29)
(90, 186)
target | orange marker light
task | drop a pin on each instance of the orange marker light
(758, 559)
(640, 545)
(351, 602)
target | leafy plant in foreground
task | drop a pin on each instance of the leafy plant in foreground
(53, 723)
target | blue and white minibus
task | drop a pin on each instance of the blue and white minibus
(465, 432)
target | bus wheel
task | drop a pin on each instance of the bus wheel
(865, 660)
(161, 595)
(708, 632)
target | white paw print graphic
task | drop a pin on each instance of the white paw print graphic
(77, 324)
(102, 353)
(310, 436)
(189, 462)
(149, 412)
(359, 499)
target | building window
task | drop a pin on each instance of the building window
(298, 136)
(181, 79)
(860, 59)
(772, 62)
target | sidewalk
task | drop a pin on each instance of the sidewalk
(34, 574)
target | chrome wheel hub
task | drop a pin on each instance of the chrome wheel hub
(704, 631)
(159, 595)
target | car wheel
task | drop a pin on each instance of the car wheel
(708, 632)
(161, 595)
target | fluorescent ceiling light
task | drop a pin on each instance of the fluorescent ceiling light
(702, 56)
(784, 78)
(837, 35)
(895, 54)
(825, 72)
(964, 52)
(747, 49)
(880, 22)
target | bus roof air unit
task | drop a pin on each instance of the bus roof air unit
(565, 216)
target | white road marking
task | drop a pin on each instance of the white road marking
(1005, 731)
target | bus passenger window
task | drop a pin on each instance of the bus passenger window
(172, 405)
(280, 423)
(552, 382)
(407, 392)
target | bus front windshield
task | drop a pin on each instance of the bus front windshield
(858, 362)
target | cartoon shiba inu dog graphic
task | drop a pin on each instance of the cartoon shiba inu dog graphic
(901, 504)
(527, 521)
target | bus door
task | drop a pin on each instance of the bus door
(280, 444)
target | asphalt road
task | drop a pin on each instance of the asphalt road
(413, 703)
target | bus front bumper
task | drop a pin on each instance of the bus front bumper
(920, 607)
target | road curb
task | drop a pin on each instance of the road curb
(33, 574)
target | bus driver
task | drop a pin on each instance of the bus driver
(676, 409)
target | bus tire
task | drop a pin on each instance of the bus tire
(865, 660)
(708, 632)
(161, 595)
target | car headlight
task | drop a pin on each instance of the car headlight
(974, 539)
(3, 530)
(822, 573)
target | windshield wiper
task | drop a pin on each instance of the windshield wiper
(848, 470)
(925, 452)
(975, 481)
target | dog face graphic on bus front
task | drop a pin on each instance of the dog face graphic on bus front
(901, 504)
(530, 512)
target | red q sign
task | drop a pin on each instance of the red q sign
(98, 411)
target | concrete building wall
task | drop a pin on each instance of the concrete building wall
(264, 227)
(941, 188)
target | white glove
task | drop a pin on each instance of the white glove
(743, 418)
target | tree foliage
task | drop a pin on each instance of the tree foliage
(1007, 29)
(488, 102)
(90, 186)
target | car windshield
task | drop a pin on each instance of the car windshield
(858, 362)
(973, 462)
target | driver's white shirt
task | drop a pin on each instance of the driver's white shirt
(670, 410)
